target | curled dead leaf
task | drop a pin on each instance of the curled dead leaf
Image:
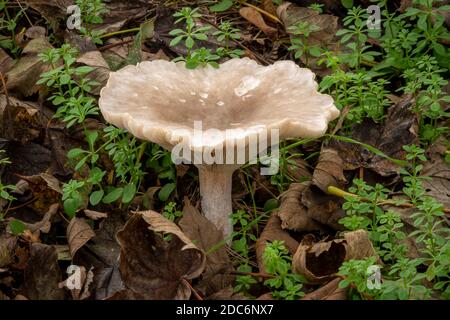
(319, 262)
(28, 69)
(153, 266)
(42, 274)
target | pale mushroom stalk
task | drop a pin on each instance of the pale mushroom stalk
(161, 102)
(215, 190)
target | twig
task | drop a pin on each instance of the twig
(197, 296)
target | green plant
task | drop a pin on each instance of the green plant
(285, 284)
(91, 12)
(160, 162)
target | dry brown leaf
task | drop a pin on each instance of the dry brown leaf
(273, 231)
(319, 262)
(95, 215)
(254, 17)
(439, 185)
(293, 213)
(7, 245)
(36, 32)
(20, 121)
(324, 37)
(323, 208)
(42, 274)
(329, 291)
(206, 237)
(28, 69)
(227, 294)
(329, 170)
(78, 234)
(399, 129)
(153, 267)
(84, 278)
(6, 63)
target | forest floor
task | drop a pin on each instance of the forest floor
(88, 211)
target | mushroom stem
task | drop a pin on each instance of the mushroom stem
(215, 190)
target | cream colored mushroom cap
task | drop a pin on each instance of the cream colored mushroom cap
(159, 101)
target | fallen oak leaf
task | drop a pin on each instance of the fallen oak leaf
(153, 266)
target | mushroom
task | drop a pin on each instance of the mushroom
(231, 106)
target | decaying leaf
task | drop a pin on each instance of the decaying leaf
(51, 10)
(273, 231)
(325, 35)
(254, 17)
(319, 262)
(293, 213)
(44, 187)
(42, 274)
(306, 208)
(153, 266)
(78, 234)
(439, 185)
(100, 67)
(95, 215)
(209, 239)
(6, 63)
(7, 245)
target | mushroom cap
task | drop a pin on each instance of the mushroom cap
(159, 101)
